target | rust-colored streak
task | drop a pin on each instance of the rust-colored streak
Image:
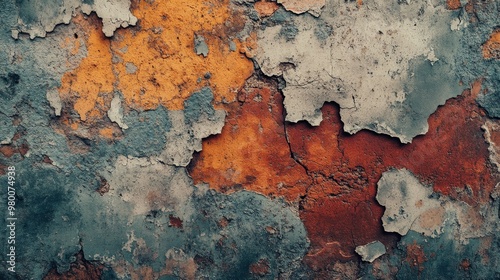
(491, 48)
(252, 151)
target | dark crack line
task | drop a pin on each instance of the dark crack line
(303, 198)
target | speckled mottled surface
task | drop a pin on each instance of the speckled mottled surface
(243, 139)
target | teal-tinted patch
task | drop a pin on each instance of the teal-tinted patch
(47, 219)
(443, 257)
(7, 128)
(199, 104)
(249, 216)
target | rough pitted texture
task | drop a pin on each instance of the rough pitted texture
(175, 148)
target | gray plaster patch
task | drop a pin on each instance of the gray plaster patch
(370, 63)
(198, 120)
(183, 139)
(38, 17)
(168, 188)
(409, 205)
(114, 14)
(493, 147)
(371, 251)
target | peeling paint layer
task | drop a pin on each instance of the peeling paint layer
(36, 18)
(384, 88)
(404, 199)
(177, 148)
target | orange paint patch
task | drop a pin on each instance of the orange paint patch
(491, 49)
(265, 8)
(156, 63)
(252, 152)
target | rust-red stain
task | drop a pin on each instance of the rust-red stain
(334, 174)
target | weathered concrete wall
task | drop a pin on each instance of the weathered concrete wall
(243, 139)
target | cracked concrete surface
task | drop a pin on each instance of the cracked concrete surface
(243, 139)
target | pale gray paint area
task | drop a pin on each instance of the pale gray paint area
(55, 101)
(302, 6)
(387, 65)
(200, 46)
(183, 139)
